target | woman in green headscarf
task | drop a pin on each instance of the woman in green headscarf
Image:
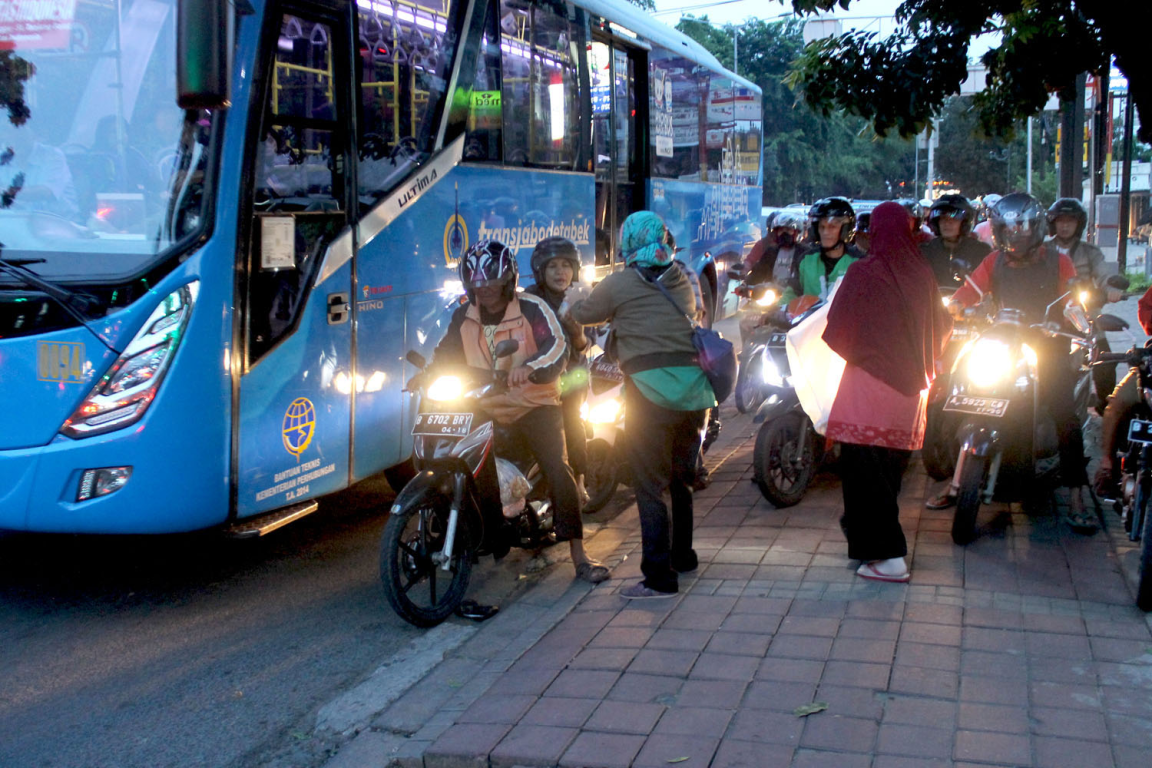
(666, 394)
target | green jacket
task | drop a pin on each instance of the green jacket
(810, 275)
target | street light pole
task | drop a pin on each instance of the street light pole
(736, 49)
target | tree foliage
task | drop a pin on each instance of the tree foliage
(14, 72)
(648, 5)
(900, 82)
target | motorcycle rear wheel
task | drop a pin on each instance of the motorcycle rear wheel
(602, 477)
(1144, 581)
(784, 463)
(417, 588)
(939, 452)
(968, 500)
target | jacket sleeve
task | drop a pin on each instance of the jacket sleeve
(981, 277)
(551, 349)
(1100, 269)
(598, 307)
(1144, 311)
(450, 350)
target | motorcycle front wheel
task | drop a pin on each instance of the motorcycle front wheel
(784, 460)
(968, 500)
(749, 392)
(417, 588)
(1144, 581)
(602, 476)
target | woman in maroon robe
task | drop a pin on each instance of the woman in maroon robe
(888, 323)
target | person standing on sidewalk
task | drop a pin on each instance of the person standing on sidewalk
(665, 394)
(889, 325)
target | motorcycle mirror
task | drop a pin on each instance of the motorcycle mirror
(506, 348)
(416, 359)
(1119, 282)
(960, 268)
(735, 274)
(1111, 324)
(1048, 309)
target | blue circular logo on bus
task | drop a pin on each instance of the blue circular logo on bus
(299, 426)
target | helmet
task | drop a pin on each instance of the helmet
(915, 210)
(1017, 225)
(953, 207)
(1067, 206)
(554, 248)
(831, 208)
(984, 205)
(794, 219)
(863, 221)
(489, 262)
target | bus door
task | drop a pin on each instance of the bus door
(295, 392)
(616, 120)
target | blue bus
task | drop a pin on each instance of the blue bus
(224, 222)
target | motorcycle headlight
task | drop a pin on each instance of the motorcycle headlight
(604, 412)
(124, 393)
(989, 361)
(445, 388)
(768, 299)
(770, 372)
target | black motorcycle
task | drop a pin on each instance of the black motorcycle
(448, 514)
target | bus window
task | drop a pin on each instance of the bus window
(748, 130)
(719, 162)
(540, 47)
(405, 62)
(600, 73)
(485, 117)
(297, 197)
(677, 118)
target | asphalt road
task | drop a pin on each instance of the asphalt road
(126, 652)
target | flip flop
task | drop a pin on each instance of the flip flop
(470, 609)
(868, 571)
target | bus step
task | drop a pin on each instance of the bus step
(254, 527)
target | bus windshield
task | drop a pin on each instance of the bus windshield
(100, 172)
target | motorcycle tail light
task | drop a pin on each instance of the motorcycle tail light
(124, 393)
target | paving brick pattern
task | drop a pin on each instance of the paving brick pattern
(1022, 649)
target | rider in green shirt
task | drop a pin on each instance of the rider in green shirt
(830, 224)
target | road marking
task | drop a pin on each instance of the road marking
(354, 709)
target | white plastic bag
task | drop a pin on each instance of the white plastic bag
(815, 369)
(513, 487)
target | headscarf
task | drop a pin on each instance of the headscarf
(643, 240)
(887, 317)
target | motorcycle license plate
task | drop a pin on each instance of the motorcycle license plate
(1140, 431)
(453, 424)
(978, 406)
(777, 339)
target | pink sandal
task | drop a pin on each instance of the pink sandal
(869, 571)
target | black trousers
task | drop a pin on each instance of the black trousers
(1104, 376)
(1057, 393)
(871, 478)
(662, 447)
(574, 437)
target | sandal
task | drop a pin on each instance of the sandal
(470, 609)
(592, 572)
(870, 571)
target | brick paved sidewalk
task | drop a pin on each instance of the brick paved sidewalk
(1023, 649)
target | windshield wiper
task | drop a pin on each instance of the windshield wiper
(78, 305)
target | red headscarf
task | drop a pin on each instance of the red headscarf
(887, 318)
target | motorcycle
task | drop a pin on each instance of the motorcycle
(1135, 482)
(750, 391)
(447, 515)
(1008, 442)
(788, 450)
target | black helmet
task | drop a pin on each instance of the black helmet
(489, 262)
(863, 221)
(1067, 206)
(1017, 225)
(915, 210)
(954, 207)
(554, 248)
(831, 208)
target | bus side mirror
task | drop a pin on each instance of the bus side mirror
(204, 35)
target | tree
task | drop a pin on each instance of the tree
(648, 5)
(901, 82)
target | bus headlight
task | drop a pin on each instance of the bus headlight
(989, 361)
(445, 388)
(124, 393)
(604, 412)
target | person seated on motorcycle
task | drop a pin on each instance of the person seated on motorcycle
(556, 267)
(916, 211)
(830, 224)
(777, 265)
(1028, 274)
(861, 238)
(1124, 398)
(530, 409)
(983, 230)
(951, 218)
(1066, 222)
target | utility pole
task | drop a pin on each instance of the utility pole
(1072, 143)
(1029, 184)
(736, 49)
(1125, 187)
